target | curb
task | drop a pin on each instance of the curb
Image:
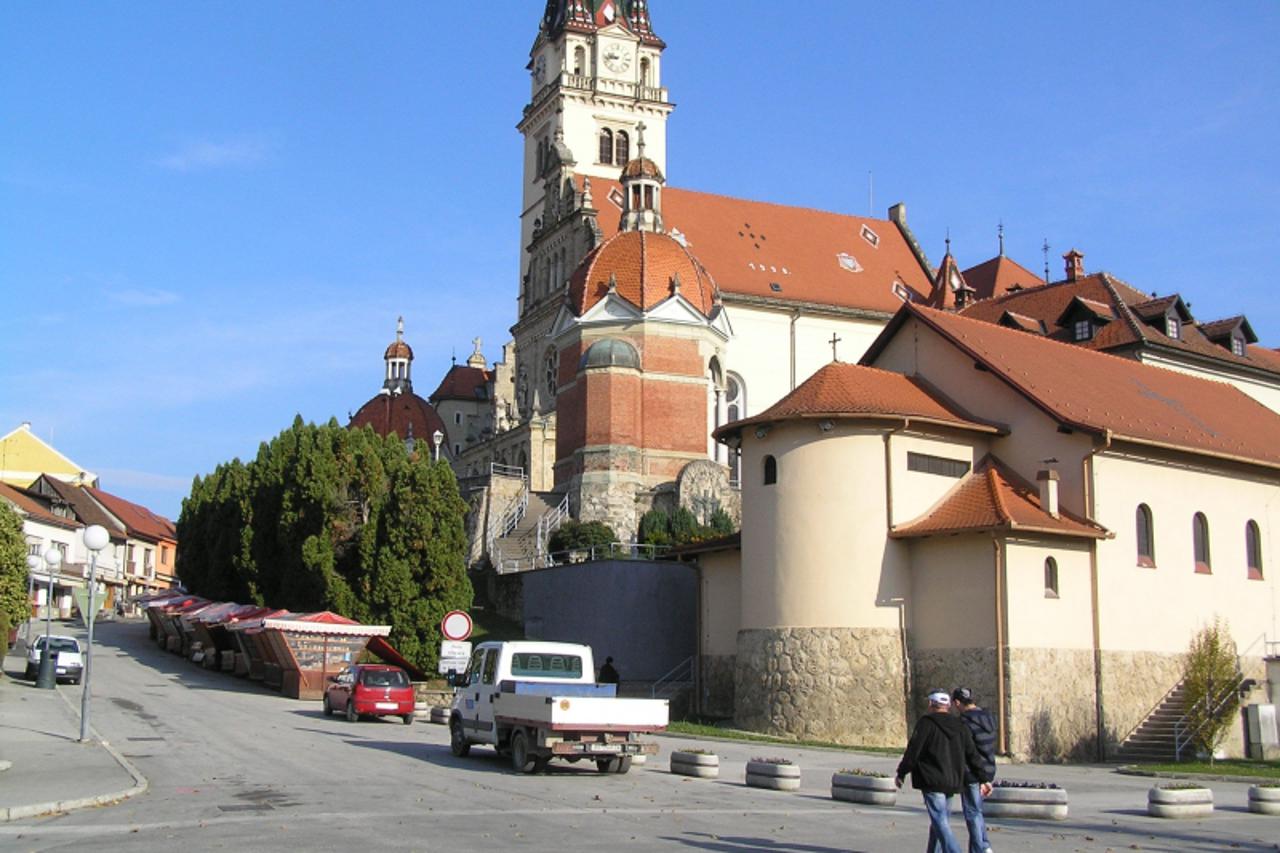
(786, 744)
(1136, 770)
(140, 784)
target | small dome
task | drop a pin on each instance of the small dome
(642, 167)
(399, 349)
(645, 267)
(610, 352)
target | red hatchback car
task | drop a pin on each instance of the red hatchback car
(370, 690)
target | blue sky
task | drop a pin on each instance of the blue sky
(211, 214)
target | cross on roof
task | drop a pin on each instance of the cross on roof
(834, 340)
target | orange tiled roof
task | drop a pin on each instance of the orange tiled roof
(137, 519)
(398, 349)
(995, 498)
(841, 390)
(1109, 395)
(31, 507)
(397, 413)
(1000, 276)
(462, 382)
(811, 255)
(644, 267)
(1129, 329)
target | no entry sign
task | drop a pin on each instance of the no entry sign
(456, 625)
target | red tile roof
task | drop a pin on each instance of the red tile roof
(948, 286)
(398, 413)
(1000, 276)
(1110, 395)
(845, 391)
(137, 519)
(84, 506)
(32, 507)
(645, 268)
(463, 382)
(749, 246)
(995, 498)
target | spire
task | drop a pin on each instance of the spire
(477, 359)
(950, 291)
(398, 359)
(1000, 236)
(638, 18)
(642, 182)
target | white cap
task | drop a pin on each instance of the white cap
(940, 698)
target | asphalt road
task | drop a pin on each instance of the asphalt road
(233, 766)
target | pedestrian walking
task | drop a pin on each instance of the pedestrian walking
(940, 749)
(608, 674)
(983, 728)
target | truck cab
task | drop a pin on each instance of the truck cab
(537, 701)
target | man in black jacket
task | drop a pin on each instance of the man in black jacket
(983, 728)
(940, 750)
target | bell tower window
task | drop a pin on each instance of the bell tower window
(622, 149)
(606, 147)
(579, 60)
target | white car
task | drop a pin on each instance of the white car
(68, 661)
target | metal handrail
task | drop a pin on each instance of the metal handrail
(507, 470)
(1183, 735)
(613, 550)
(549, 523)
(1142, 721)
(665, 683)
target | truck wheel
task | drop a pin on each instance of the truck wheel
(608, 765)
(457, 740)
(624, 764)
(540, 765)
(520, 760)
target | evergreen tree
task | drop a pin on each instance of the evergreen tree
(13, 570)
(655, 528)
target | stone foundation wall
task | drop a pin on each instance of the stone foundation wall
(716, 684)
(1052, 712)
(1133, 683)
(947, 669)
(843, 685)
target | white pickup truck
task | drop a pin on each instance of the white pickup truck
(537, 701)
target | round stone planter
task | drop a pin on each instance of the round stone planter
(440, 715)
(1180, 802)
(1027, 803)
(1264, 800)
(775, 777)
(868, 790)
(695, 764)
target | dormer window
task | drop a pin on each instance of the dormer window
(1237, 345)
(1083, 330)
(1172, 327)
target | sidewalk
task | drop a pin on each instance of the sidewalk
(50, 770)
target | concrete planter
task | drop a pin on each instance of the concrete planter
(1027, 803)
(1180, 802)
(1264, 800)
(440, 715)
(774, 777)
(868, 790)
(695, 764)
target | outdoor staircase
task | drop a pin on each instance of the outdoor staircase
(1155, 738)
(519, 548)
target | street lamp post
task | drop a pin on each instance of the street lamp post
(95, 539)
(33, 566)
(437, 437)
(47, 678)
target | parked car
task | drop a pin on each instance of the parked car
(68, 661)
(370, 690)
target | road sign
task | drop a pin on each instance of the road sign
(454, 655)
(456, 625)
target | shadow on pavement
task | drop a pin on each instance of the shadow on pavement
(483, 760)
(705, 841)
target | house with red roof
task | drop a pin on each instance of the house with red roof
(970, 504)
(150, 554)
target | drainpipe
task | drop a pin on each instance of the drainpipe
(1002, 693)
(795, 315)
(1099, 707)
(907, 681)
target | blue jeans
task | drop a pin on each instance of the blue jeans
(971, 799)
(941, 839)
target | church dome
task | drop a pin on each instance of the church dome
(647, 269)
(406, 415)
(610, 352)
(643, 167)
(399, 349)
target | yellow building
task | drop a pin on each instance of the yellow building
(24, 457)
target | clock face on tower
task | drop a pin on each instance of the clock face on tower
(617, 58)
(540, 69)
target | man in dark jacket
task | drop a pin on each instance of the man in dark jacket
(940, 750)
(983, 728)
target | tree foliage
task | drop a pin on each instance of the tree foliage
(581, 535)
(682, 527)
(14, 608)
(326, 518)
(1211, 684)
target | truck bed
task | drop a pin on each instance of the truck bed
(563, 712)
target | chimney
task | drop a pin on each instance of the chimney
(1048, 480)
(1075, 264)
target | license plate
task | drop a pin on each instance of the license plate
(603, 747)
(62, 670)
(386, 706)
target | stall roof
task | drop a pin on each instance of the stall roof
(326, 623)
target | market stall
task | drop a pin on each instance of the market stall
(310, 648)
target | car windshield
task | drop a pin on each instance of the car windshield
(59, 644)
(384, 678)
(543, 665)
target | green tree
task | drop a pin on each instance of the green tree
(581, 535)
(1211, 684)
(721, 523)
(684, 526)
(14, 607)
(655, 528)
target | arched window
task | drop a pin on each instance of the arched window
(579, 60)
(1050, 578)
(646, 79)
(735, 398)
(1146, 542)
(606, 147)
(1200, 542)
(623, 148)
(1253, 549)
(770, 470)
(551, 372)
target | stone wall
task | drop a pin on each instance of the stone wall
(1052, 712)
(947, 669)
(716, 685)
(1133, 683)
(843, 685)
